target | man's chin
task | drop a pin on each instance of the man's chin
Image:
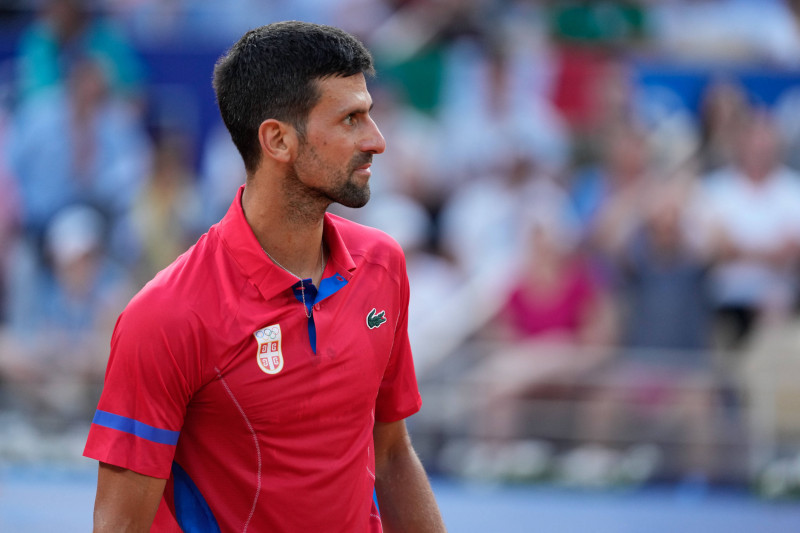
(353, 197)
(356, 204)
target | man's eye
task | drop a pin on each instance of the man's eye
(350, 119)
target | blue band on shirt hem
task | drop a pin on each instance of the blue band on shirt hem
(134, 427)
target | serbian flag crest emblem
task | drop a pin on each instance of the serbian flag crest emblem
(270, 357)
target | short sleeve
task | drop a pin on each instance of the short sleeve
(398, 396)
(148, 384)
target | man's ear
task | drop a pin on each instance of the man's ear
(278, 140)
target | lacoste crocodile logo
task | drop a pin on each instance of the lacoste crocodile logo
(375, 319)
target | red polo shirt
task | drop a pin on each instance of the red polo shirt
(260, 418)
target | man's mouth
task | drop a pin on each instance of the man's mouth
(363, 164)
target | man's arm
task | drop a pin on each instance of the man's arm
(404, 494)
(126, 501)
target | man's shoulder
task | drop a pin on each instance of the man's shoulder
(371, 248)
(181, 289)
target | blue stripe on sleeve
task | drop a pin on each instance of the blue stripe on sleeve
(134, 427)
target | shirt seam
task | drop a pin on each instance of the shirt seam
(255, 441)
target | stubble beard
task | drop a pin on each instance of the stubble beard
(349, 194)
(344, 191)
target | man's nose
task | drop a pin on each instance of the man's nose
(373, 140)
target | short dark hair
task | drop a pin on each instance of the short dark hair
(271, 72)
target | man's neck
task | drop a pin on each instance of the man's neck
(291, 239)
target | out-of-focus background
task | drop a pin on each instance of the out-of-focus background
(599, 202)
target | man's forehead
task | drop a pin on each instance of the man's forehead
(339, 91)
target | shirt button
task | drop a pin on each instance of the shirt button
(316, 307)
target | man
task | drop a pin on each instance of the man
(751, 217)
(260, 382)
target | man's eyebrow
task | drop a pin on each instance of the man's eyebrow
(358, 109)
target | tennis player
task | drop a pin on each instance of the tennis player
(260, 383)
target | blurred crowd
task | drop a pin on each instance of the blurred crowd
(549, 204)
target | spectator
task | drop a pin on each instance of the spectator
(664, 274)
(486, 84)
(556, 326)
(54, 352)
(664, 372)
(490, 243)
(65, 32)
(607, 193)
(99, 156)
(753, 218)
(724, 108)
(167, 215)
(557, 295)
